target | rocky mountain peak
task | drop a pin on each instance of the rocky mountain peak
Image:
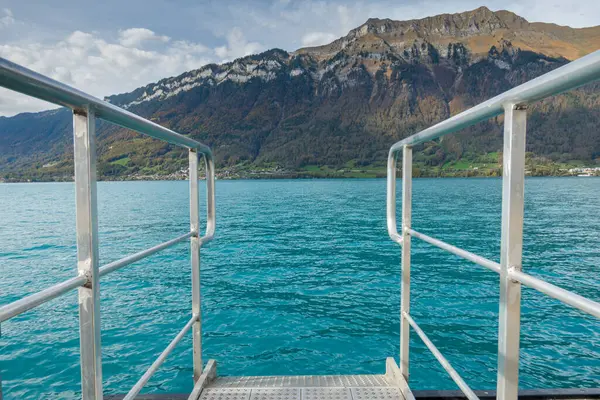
(478, 29)
(475, 22)
(341, 104)
(384, 45)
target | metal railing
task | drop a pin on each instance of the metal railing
(513, 104)
(86, 109)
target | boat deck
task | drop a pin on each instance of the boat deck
(311, 387)
(326, 387)
(535, 394)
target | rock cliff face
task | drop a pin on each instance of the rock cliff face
(347, 101)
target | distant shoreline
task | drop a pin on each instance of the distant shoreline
(480, 168)
(280, 177)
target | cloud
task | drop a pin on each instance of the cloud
(317, 38)
(12, 103)
(136, 36)
(99, 66)
(7, 18)
(122, 52)
(237, 46)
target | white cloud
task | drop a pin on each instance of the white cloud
(345, 15)
(101, 67)
(12, 103)
(7, 18)
(317, 38)
(136, 36)
(576, 14)
(288, 24)
(237, 46)
(116, 59)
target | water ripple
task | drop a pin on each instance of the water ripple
(301, 279)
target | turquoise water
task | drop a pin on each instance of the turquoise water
(301, 279)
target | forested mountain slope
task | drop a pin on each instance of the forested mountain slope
(340, 105)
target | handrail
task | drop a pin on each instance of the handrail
(20, 79)
(135, 390)
(27, 303)
(513, 104)
(115, 265)
(211, 222)
(442, 360)
(85, 109)
(570, 76)
(467, 255)
(577, 73)
(17, 307)
(574, 300)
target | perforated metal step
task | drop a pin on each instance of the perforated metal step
(301, 381)
(305, 393)
(312, 387)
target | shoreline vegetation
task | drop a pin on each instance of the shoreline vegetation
(488, 165)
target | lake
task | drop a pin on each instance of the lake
(300, 279)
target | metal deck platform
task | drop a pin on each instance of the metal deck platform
(535, 394)
(310, 387)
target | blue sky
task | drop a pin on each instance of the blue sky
(106, 47)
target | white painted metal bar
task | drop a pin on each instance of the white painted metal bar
(195, 264)
(586, 305)
(27, 303)
(392, 372)
(84, 133)
(115, 265)
(442, 360)
(405, 273)
(135, 390)
(484, 262)
(209, 168)
(511, 250)
(576, 73)
(208, 374)
(85, 109)
(512, 103)
(579, 72)
(391, 199)
(26, 81)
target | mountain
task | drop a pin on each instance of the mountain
(340, 106)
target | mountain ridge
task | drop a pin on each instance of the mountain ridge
(341, 104)
(483, 24)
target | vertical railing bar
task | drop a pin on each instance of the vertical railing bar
(511, 249)
(84, 134)
(195, 263)
(405, 283)
(209, 172)
(391, 198)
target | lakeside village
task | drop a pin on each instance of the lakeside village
(283, 173)
(584, 171)
(278, 173)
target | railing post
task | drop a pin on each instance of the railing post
(513, 180)
(195, 261)
(84, 133)
(405, 285)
